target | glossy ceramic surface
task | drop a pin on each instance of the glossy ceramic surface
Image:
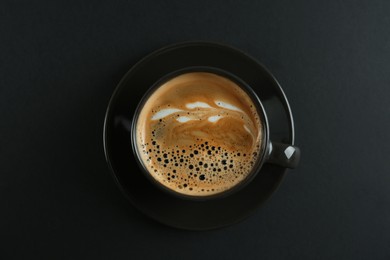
(161, 206)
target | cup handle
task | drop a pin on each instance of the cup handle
(284, 155)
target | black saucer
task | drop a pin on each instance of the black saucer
(169, 210)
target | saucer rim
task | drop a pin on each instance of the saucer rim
(154, 54)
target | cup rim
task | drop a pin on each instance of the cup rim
(259, 107)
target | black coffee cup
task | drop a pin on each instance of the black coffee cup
(277, 153)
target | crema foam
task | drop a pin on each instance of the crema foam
(199, 134)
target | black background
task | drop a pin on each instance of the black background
(60, 62)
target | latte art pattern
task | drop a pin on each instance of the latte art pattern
(199, 134)
(201, 120)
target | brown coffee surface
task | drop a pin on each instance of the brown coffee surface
(199, 134)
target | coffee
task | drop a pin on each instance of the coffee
(199, 134)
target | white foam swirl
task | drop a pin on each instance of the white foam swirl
(227, 106)
(165, 112)
(198, 105)
(214, 119)
(183, 119)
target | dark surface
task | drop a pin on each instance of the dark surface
(60, 62)
(220, 211)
